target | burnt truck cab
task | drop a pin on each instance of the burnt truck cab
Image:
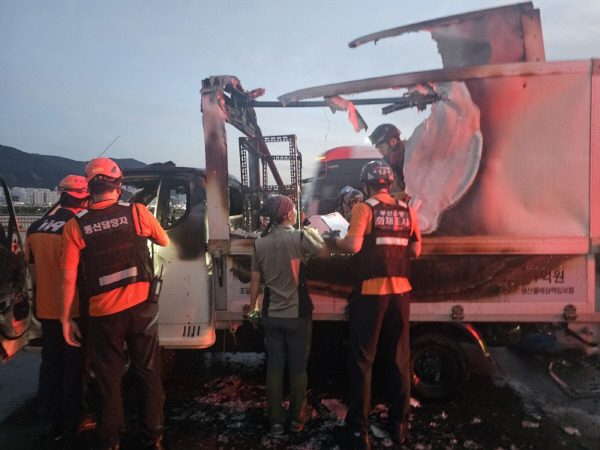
(177, 198)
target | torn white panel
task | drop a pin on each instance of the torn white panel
(341, 104)
(410, 79)
(443, 154)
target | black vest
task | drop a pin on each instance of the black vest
(384, 252)
(53, 224)
(114, 254)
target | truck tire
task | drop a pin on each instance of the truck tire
(439, 367)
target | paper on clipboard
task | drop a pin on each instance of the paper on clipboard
(329, 222)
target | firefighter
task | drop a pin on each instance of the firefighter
(109, 240)
(344, 207)
(386, 138)
(279, 257)
(354, 197)
(61, 376)
(383, 235)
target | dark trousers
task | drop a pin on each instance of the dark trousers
(384, 321)
(287, 340)
(61, 378)
(138, 328)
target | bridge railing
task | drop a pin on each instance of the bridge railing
(24, 222)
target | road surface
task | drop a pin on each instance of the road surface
(216, 401)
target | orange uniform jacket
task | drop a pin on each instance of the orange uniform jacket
(119, 298)
(43, 248)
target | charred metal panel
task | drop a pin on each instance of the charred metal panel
(502, 279)
(238, 111)
(533, 178)
(191, 235)
(516, 245)
(217, 171)
(406, 80)
(509, 278)
(534, 173)
(491, 36)
(533, 40)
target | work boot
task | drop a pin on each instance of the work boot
(277, 429)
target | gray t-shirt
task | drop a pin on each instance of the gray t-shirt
(278, 256)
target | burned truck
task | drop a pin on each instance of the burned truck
(503, 174)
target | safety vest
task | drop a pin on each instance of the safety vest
(114, 254)
(384, 252)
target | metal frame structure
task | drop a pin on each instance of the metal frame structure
(255, 194)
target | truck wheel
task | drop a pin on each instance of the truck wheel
(438, 366)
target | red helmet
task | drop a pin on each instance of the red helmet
(105, 167)
(102, 166)
(74, 185)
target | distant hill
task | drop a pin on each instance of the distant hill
(44, 171)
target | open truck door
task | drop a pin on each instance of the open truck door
(16, 307)
(177, 198)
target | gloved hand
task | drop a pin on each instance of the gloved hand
(246, 312)
(252, 316)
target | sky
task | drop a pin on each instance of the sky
(75, 75)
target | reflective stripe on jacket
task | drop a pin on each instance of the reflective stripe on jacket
(384, 252)
(114, 254)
